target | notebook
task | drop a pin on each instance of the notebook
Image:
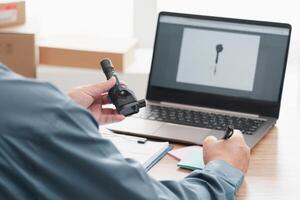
(148, 153)
(180, 153)
(192, 162)
(190, 157)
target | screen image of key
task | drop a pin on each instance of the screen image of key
(218, 59)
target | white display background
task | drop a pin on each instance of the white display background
(236, 64)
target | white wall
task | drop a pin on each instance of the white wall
(144, 22)
(114, 18)
(109, 18)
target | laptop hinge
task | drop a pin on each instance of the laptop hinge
(205, 109)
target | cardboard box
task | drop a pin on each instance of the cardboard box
(86, 52)
(12, 12)
(18, 51)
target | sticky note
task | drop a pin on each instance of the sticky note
(192, 161)
(185, 151)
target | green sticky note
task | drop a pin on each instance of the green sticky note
(192, 162)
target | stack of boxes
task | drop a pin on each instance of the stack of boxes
(12, 13)
(20, 52)
(86, 51)
(18, 49)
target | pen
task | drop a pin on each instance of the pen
(228, 132)
(111, 135)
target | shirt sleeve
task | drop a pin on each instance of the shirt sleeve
(63, 156)
(84, 165)
(218, 180)
(87, 165)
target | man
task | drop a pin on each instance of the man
(50, 148)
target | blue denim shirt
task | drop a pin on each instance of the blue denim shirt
(50, 148)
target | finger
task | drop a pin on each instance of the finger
(238, 136)
(107, 85)
(109, 111)
(98, 89)
(95, 110)
(107, 119)
(209, 140)
(118, 118)
(105, 99)
(111, 115)
(112, 112)
(123, 84)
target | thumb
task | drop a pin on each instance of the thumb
(99, 88)
(107, 85)
(210, 139)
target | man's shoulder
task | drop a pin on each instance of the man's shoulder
(26, 101)
(29, 103)
(6, 72)
(13, 82)
(3, 67)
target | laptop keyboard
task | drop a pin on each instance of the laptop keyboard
(199, 119)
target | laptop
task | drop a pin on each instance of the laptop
(210, 72)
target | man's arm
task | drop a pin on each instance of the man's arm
(54, 149)
(94, 168)
(88, 166)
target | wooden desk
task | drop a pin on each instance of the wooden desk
(274, 171)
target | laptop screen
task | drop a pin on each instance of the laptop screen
(219, 57)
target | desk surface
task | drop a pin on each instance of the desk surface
(274, 171)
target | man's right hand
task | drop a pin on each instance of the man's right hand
(233, 151)
(93, 97)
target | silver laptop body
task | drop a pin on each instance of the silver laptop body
(209, 72)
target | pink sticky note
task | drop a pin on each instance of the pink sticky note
(183, 152)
